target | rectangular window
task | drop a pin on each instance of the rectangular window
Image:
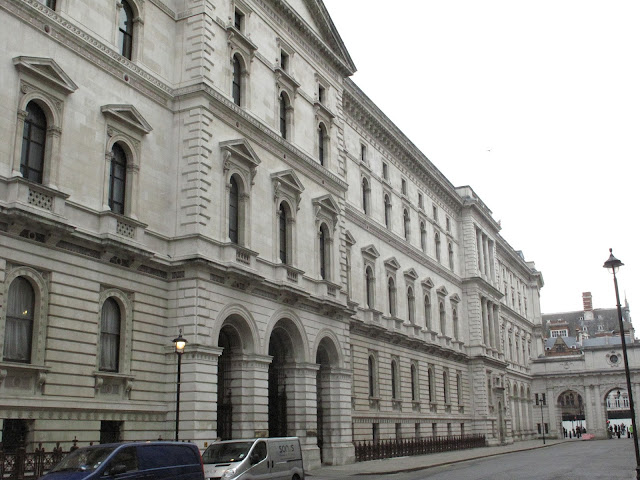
(284, 60)
(385, 171)
(363, 153)
(398, 431)
(546, 428)
(435, 213)
(420, 201)
(417, 430)
(462, 429)
(434, 430)
(238, 20)
(110, 431)
(321, 94)
(448, 224)
(376, 432)
(404, 186)
(537, 402)
(544, 399)
(539, 429)
(449, 430)
(49, 3)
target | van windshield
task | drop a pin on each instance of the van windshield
(226, 452)
(84, 459)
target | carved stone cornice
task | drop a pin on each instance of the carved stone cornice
(360, 109)
(365, 222)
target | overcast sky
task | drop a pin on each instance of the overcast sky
(536, 106)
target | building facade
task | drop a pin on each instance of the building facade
(208, 167)
(580, 378)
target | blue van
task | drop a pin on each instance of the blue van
(131, 461)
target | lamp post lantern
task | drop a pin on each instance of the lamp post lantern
(179, 343)
(613, 264)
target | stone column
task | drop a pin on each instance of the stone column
(338, 446)
(250, 395)
(302, 408)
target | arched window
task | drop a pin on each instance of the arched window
(284, 116)
(110, 322)
(445, 386)
(283, 233)
(237, 79)
(437, 242)
(366, 190)
(423, 237)
(372, 376)
(432, 385)
(125, 27)
(443, 319)
(19, 321)
(406, 224)
(427, 312)
(324, 252)
(33, 144)
(387, 211)
(323, 144)
(117, 179)
(411, 306)
(234, 209)
(450, 255)
(456, 332)
(370, 286)
(394, 380)
(391, 291)
(414, 383)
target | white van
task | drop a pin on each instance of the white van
(259, 458)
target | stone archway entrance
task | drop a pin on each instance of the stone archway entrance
(618, 411)
(225, 409)
(279, 348)
(571, 408)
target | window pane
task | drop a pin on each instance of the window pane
(19, 321)
(110, 336)
(233, 211)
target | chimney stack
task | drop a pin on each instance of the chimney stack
(586, 302)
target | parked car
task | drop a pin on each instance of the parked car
(259, 458)
(131, 461)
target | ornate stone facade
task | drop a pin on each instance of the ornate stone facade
(225, 177)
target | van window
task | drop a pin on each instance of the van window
(127, 457)
(259, 452)
(84, 459)
(227, 452)
(161, 456)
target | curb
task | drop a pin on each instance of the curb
(440, 464)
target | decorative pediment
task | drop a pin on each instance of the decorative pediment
(287, 182)
(370, 252)
(286, 81)
(46, 70)
(237, 39)
(326, 207)
(241, 149)
(442, 291)
(410, 274)
(239, 153)
(392, 263)
(128, 115)
(323, 113)
(455, 298)
(349, 238)
(427, 283)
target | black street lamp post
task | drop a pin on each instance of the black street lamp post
(542, 402)
(613, 264)
(179, 343)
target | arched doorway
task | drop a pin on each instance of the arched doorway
(234, 415)
(226, 340)
(618, 412)
(326, 357)
(571, 407)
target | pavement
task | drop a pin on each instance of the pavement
(390, 466)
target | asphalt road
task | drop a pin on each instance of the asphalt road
(588, 460)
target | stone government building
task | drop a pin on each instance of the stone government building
(208, 166)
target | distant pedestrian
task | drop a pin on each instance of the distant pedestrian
(631, 430)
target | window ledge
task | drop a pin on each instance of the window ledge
(24, 368)
(126, 379)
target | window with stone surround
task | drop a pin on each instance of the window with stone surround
(125, 29)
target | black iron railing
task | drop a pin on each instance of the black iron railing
(370, 450)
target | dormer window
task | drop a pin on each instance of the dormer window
(284, 61)
(238, 20)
